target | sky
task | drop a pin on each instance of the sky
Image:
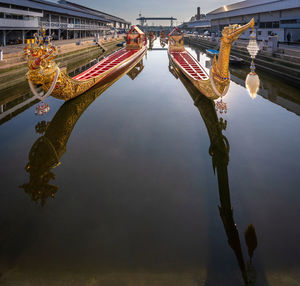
(183, 10)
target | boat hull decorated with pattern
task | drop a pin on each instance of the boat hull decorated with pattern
(44, 73)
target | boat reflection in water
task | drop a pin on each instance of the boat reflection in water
(47, 150)
(219, 151)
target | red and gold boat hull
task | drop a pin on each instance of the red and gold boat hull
(191, 68)
(46, 78)
(68, 88)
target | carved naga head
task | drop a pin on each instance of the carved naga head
(232, 32)
(40, 53)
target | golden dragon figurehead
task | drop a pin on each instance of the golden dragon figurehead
(40, 54)
(232, 32)
(220, 76)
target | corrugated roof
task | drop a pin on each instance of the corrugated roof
(55, 7)
(241, 5)
(90, 10)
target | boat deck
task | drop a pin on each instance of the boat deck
(190, 65)
(106, 64)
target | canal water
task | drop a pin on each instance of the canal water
(144, 183)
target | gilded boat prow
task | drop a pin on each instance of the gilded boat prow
(216, 83)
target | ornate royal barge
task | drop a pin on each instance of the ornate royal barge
(46, 78)
(216, 83)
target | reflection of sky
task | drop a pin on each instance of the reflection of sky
(129, 10)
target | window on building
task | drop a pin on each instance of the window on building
(1, 15)
(27, 18)
(46, 17)
(54, 18)
(268, 24)
(64, 19)
(259, 33)
(274, 24)
(290, 21)
(269, 33)
(17, 7)
(35, 10)
(71, 21)
(4, 5)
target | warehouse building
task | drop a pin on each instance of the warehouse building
(280, 17)
(20, 19)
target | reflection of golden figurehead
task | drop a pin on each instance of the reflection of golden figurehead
(151, 38)
(219, 151)
(163, 39)
(48, 149)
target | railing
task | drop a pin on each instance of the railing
(57, 25)
(19, 23)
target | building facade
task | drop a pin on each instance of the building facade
(20, 19)
(199, 26)
(271, 16)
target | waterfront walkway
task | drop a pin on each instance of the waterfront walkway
(10, 49)
(13, 55)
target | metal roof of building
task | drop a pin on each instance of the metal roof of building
(252, 7)
(56, 7)
(93, 11)
(240, 5)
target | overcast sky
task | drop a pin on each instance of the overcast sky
(129, 9)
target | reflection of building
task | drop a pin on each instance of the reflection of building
(64, 20)
(13, 105)
(282, 95)
(271, 16)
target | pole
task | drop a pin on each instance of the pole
(4, 38)
(49, 24)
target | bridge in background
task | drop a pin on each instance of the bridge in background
(143, 20)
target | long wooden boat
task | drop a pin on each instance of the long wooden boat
(214, 84)
(45, 77)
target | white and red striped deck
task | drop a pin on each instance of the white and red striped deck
(190, 65)
(106, 64)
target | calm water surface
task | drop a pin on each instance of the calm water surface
(147, 185)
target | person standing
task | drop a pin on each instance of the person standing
(288, 37)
